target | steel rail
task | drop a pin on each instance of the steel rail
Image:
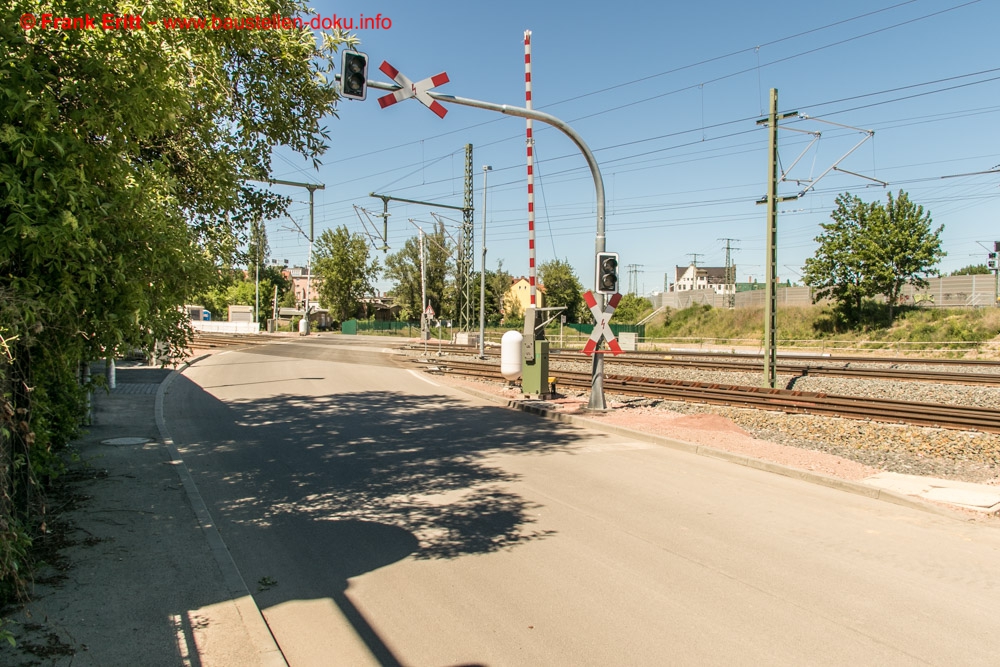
(748, 364)
(784, 400)
(211, 340)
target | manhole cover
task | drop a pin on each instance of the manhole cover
(125, 442)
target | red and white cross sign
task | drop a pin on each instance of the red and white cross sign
(602, 328)
(410, 89)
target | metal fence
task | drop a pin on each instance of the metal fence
(944, 292)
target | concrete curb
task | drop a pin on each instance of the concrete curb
(253, 621)
(848, 486)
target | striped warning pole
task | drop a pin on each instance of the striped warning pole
(531, 168)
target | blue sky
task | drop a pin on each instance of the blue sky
(667, 95)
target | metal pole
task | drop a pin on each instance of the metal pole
(597, 401)
(425, 324)
(771, 239)
(256, 311)
(309, 259)
(771, 261)
(482, 276)
(465, 320)
(312, 187)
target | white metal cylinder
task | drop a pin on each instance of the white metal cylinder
(510, 355)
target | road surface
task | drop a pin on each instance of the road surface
(381, 518)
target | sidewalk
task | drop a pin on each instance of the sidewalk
(140, 582)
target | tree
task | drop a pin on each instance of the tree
(837, 270)
(869, 249)
(497, 285)
(972, 270)
(345, 271)
(631, 308)
(563, 288)
(403, 268)
(124, 161)
(900, 248)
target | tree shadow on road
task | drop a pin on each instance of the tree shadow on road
(416, 462)
(355, 482)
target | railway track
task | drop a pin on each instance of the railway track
(887, 367)
(784, 400)
(212, 341)
(802, 369)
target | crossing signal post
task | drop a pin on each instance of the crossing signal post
(607, 273)
(354, 75)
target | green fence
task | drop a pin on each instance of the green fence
(616, 329)
(354, 327)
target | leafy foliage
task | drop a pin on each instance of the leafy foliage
(631, 308)
(346, 272)
(403, 268)
(900, 247)
(870, 250)
(972, 270)
(563, 288)
(497, 285)
(124, 167)
(837, 270)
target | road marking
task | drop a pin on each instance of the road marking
(420, 376)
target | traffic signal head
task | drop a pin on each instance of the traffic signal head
(607, 273)
(991, 261)
(354, 75)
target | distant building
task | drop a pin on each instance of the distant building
(520, 293)
(381, 308)
(687, 278)
(299, 277)
(241, 313)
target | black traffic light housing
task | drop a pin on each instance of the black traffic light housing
(607, 273)
(991, 261)
(354, 75)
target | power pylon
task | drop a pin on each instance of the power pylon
(465, 287)
(730, 292)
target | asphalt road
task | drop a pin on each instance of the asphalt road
(380, 518)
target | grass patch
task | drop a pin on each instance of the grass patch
(955, 330)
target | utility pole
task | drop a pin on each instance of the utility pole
(463, 279)
(274, 308)
(771, 262)
(694, 258)
(312, 187)
(425, 324)
(730, 274)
